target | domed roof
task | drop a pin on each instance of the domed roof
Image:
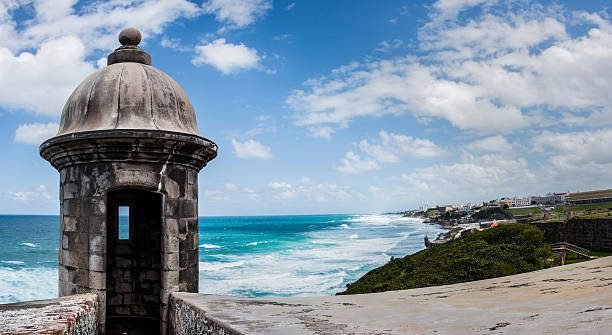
(128, 94)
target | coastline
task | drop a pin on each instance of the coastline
(307, 257)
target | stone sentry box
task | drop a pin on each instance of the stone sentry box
(128, 138)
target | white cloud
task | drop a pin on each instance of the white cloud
(507, 68)
(98, 23)
(391, 146)
(230, 187)
(237, 13)
(35, 133)
(386, 46)
(472, 176)
(279, 185)
(388, 148)
(171, 43)
(399, 86)
(283, 190)
(449, 9)
(321, 132)
(39, 193)
(44, 44)
(495, 143)
(251, 149)
(226, 57)
(250, 193)
(354, 164)
(313, 191)
(32, 81)
(576, 148)
(216, 195)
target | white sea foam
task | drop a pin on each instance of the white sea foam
(209, 246)
(28, 244)
(323, 265)
(345, 226)
(257, 243)
(217, 266)
(27, 284)
(13, 262)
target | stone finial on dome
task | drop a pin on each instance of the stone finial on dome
(130, 36)
(129, 51)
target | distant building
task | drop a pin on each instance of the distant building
(445, 208)
(590, 197)
(550, 198)
(515, 201)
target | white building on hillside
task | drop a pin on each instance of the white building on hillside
(515, 201)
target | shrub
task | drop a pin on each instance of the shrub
(499, 251)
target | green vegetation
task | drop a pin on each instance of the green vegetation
(492, 213)
(500, 251)
(597, 215)
(432, 213)
(535, 211)
(572, 258)
(585, 207)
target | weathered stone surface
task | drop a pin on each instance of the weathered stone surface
(73, 315)
(593, 234)
(143, 151)
(571, 299)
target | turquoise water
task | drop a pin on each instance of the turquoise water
(247, 256)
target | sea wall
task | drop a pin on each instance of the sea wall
(593, 234)
(71, 315)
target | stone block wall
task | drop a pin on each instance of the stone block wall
(73, 315)
(592, 234)
(188, 319)
(83, 254)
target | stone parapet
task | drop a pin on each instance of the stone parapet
(574, 299)
(72, 315)
(592, 234)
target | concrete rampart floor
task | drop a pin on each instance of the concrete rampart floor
(571, 299)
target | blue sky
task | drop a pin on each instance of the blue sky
(334, 106)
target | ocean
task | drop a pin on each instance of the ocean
(250, 256)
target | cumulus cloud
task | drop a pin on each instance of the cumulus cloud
(496, 143)
(35, 133)
(475, 175)
(45, 45)
(237, 13)
(283, 190)
(250, 193)
(32, 81)
(321, 132)
(394, 87)
(216, 195)
(576, 148)
(313, 191)
(226, 57)
(38, 193)
(95, 23)
(230, 187)
(251, 149)
(510, 66)
(387, 148)
(353, 163)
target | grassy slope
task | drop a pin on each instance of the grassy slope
(499, 251)
(536, 211)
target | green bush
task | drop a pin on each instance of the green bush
(499, 251)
